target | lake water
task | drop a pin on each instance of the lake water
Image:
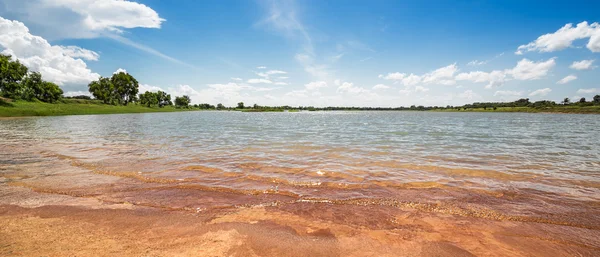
(541, 168)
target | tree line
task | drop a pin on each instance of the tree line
(17, 82)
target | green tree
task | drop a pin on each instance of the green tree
(566, 101)
(220, 106)
(163, 99)
(582, 100)
(149, 99)
(597, 99)
(240, 105)
(182, 101)
(125, 86)
(11, 74)
(103, 90)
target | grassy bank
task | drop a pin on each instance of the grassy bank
(71, 107)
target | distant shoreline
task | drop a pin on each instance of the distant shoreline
(82, 107)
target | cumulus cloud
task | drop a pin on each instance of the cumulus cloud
(347, 87)
(588, 91)
(443, 76)
(476, 63)
(236, 79)
(259, 81)
(119, 70)
(564, 38)
(315, 85)
(261, 67)
(421, 89)
(567, 79)
(62, 65)
(143, 88)
(583, 65)
(530, 70)
(524, 70)
(380, 86)
(77, 93)
(540, 92)
(86, 18)
(267, 74)
(281, 83)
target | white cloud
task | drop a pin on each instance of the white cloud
(119, 70)
(421, 89)
(443, 76)
(582, 65)
(476, 63)
(77, 93)
(267, 74)
(524, 70)
(259, 81)
(78, 52)
(236, 79)
(508, 93)
(541, 92)
(494, 79)
(468, 94)
(148, 88)
(92, 18)
(380, 86)
(57, 64)
(283, 77)
(261, 67)
(348, 87)
(588, 91)
(281, 83)
(567, 79)
(564, 38)
(530, 70)
(315, 85)
(296, 93)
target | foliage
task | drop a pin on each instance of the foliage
(182, 101)
(159, 98)
(120, 89)
(220, 106)
(17, 83)
(596, 99)
(582, 100)
(240, 105)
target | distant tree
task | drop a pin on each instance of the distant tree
(582, 100)
(125, 86)
(163, 99)
(240, 105)
(597, 99)
(566, 101)
(148, 99)
(103, 90)
(11, 75)
(182, 101)
(220, 106)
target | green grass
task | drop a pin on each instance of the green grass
(72, 107)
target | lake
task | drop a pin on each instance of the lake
(540, 169)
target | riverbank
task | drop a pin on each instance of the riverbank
(73, 107)
(86, 107)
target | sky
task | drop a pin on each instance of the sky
(312, 52)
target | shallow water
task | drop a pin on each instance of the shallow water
(538, 168)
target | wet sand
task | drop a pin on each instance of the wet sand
(59, 203)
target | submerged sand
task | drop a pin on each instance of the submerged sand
(52, 204)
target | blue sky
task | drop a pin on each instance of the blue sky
(344, 53)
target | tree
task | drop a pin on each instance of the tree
(11, 74)
(566, 101)
(103, 90)
(149, 99)
(163, 99)
(220, 106)
(582, 100)
(182, 101)
(125, 86)
(240, 105)
(597, 99)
